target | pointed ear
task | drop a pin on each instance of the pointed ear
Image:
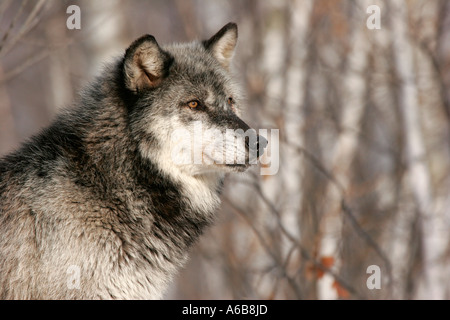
(145, 64)
(222, 44)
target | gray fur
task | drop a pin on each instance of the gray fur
(97, 190)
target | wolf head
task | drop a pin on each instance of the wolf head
(187, 108)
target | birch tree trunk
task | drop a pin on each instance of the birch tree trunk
(59, 66)
(106, 38)
(353, 102)
(294, 115)
(416, 157)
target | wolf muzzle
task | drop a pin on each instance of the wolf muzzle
(254, 143)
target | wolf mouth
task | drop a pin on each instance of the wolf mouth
(239, 167)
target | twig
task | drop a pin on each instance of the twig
(13, 22)
(267, 248)
(304, 253)
(347, 211)
(28, 63)
(439, 75)
(29, 23)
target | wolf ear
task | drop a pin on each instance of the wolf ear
(223, 43)
(145, 64)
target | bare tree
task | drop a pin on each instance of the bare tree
(416, 156)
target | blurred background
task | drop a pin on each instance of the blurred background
(360, 205)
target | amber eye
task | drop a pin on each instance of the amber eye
(230, 101)
(193, 104)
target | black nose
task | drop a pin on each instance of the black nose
(261, 145)
(256, 145)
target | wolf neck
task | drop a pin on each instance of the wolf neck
(200, 191)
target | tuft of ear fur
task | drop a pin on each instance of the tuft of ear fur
(223, 43)
(145, 64)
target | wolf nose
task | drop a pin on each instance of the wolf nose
(257, 145)
(261, 144)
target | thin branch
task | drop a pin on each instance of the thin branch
(368, 239)
(439, 75)
(267, 248)
(13, 22)
(25, 65)
(347, 211)
(29, 23)
(304, 253)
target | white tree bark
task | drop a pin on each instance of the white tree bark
(60, 64)
(273, 53)
(397, 238)
(418, 171)
(105, 21)
(294, 115)
(353, 101)
(288, 87)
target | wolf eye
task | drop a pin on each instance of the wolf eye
(193, 104)
(230, 101)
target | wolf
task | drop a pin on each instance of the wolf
(95, 206)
